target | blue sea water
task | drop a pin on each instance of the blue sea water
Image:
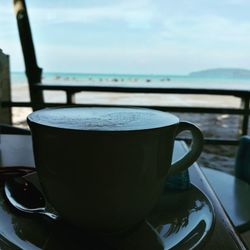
(132, 80)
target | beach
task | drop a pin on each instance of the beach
(212, 125)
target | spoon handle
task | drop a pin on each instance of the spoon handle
(13, 171)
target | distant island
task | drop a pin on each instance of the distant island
(222, 73)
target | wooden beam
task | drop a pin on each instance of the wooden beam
(243, 130)
(5, 95)
(33, 72)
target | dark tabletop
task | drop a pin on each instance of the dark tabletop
(17, 150)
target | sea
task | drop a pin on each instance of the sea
(138, 79)
(212, 125)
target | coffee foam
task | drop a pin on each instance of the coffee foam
(103, 118)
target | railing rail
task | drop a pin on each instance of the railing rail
(243, 111)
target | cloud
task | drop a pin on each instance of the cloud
(207, 30)
(172, 59)
(238, 2)
(162, 36)
(134, 15)
(6, 15)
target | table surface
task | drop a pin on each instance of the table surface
(17, 150)
(229, 188)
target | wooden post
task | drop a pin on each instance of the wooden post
(33, 72)
(70, 97)
(5, 94)
(244, 120)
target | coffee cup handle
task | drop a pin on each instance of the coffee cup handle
(196, 148)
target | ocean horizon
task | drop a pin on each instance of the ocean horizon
(140, 79)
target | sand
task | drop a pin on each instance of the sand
(212, 125)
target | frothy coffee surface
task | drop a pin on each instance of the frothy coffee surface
(103, 119)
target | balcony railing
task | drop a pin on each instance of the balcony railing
(70, 90)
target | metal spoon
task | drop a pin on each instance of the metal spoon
(26, 197)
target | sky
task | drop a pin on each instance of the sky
(131, 36)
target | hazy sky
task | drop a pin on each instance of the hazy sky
(132, 36)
